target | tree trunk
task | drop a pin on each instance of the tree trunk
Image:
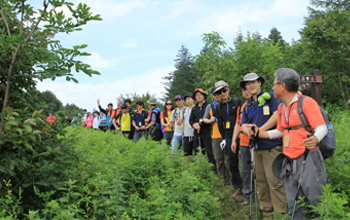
(341, 85)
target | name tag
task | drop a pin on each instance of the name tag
(140, 124)
(286, 141)
(266, 110)
(227, 125)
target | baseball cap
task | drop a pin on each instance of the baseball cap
(179, 97)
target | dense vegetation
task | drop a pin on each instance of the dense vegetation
(53, 172)
(106, 176)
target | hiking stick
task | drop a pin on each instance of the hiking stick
(252, 176)
(300, 179)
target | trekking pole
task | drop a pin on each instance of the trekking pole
(253, 178)
(251, 182)
(300, 179)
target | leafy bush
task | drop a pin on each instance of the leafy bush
(118, 179)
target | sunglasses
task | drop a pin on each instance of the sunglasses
(223, 90)
(169, 104)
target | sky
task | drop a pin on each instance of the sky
(137, 42)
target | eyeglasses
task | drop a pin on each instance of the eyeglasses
(169, 103)
(223, 90)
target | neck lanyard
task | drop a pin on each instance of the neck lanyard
(285, 119)
(200, 112)
(228, 109)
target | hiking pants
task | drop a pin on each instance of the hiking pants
(176, 144)
(139, 134)
(233, 164)
(314, 177)
(245, 169)
(168, 135)
(188, 144)
(271, 191)
(206, 146)
(220, 158)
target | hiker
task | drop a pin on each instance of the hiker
(219, 154)
(226, 114)
(259, 110)
(243, 148)
(51, 118)
(83, 118)
(96, 122)
(138, 121)
(176, 120)
(89, 120)
(76, 120)
(188, 143)
(202, 132)
(67, 119)
(118, 110)
(154, 125)
(128, 103)
(131, 112)
(110, 114)
(102, 122)
(125, 122)
(168, 130)
(296, 142)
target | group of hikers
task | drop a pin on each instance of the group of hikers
(257, 129)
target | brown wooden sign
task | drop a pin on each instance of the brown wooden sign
(312, 81)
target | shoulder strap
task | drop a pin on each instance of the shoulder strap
(301, 116)
(301, 113)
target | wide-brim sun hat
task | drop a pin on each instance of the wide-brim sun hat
(201, 91)
(279, 165)
(152, 101)
(249, 78)
(219, 85)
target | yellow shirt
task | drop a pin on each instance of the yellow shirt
(125, 122)
(215, 130)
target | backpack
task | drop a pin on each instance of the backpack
(327, 145)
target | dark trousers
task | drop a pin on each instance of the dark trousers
(188, 145)
(233, 164)
(127, 134)
(206, 146)
(156, 134)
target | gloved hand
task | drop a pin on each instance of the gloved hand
(262, 99)
(223, 144)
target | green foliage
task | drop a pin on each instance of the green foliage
(333, 205)
(35, 158)
(118, 179)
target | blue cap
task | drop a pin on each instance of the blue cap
(179, 97)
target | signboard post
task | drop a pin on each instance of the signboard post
(312, 81)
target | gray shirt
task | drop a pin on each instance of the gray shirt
(188, 130)
(176, 114)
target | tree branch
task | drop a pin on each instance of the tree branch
(22, 16)
(6, 24)
(13, 61)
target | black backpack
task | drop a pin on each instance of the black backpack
(327, 145)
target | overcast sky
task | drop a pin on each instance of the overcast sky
(136, 43)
